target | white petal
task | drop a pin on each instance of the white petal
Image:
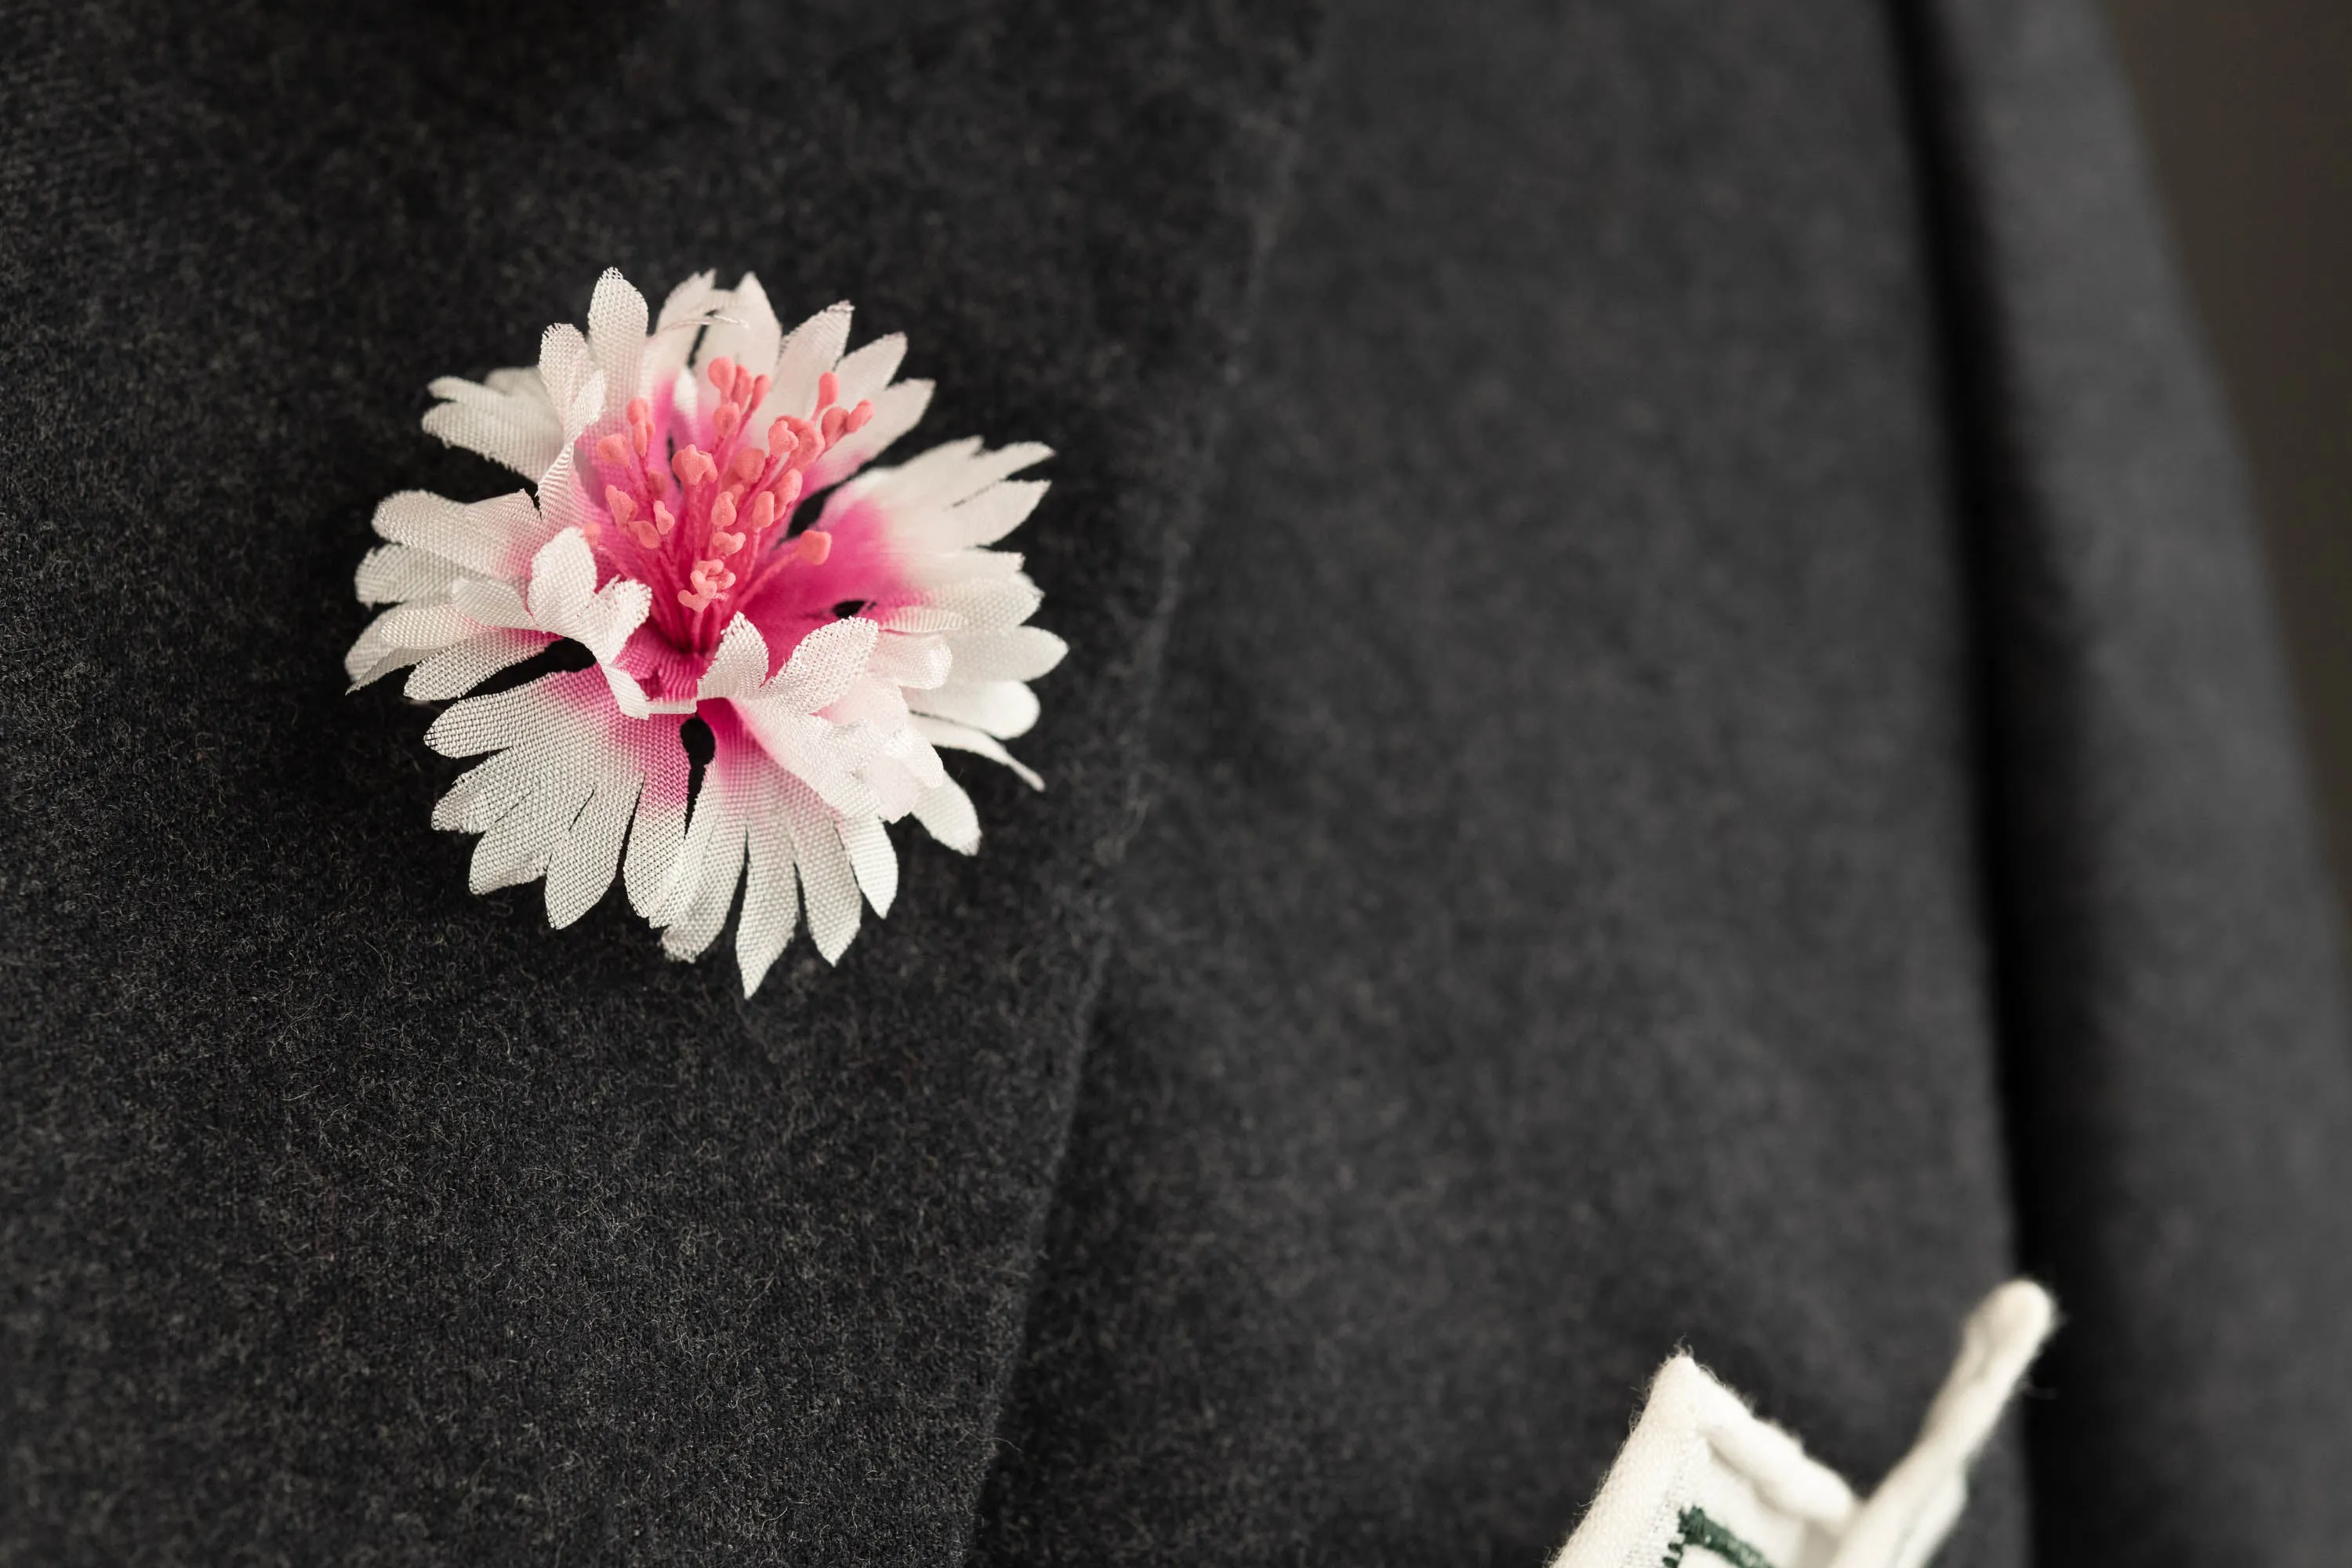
(1003, 708)
(947, 815)
(424, 625)
(492, 537)
(371, 658)
(1017, 653)
(993, 513)
(823, 664)
(989, 468)
(908, 750)
(488, 791)
(770, 898)
(518, 846)
(870, 699)
(918, 619)
(575, 385)
(741, 663)
(991, 604)
(683, 316)
(720, 871)
(490, 604)
(828, 882)
(613, 615)
(517, 428)
(514, 381)
(963, 738)
(953, 472)
(515, 391)
(894, 787)
(562, 580)
(584, 863)
(529, 714)
(813, 348)
(659, 830)
(457, 669)
(383, 662)
(825, 757)
(898, 409)
(934, 574)
(864, 374)
(561, 502)
(916, 662)
(630, 698)
(747, 332)
(393, 573)
(690, 302)
(655, 841)
(366, 653)
(558, 792)
(616, 336)
(867, 844)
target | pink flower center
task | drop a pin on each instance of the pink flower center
(700, 511)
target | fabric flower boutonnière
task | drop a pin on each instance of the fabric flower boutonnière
(707, 523)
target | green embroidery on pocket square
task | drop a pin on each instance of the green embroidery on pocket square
(1698, 1529)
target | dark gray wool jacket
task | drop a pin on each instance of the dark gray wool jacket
(1672, 739)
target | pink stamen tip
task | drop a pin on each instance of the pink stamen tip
(758, 392)
(814, 546)
(860, 415)
(747, 465)
(781, 440)
(725, 543)
(694, 602)
(763, 512)
(835, 419)
(693, 465)
(722, 373)
(788, 490)
(617, 502)
(644, 532)
(723, 510)
(727, 421)
(828, 388)
(613, 450)
(663, 519)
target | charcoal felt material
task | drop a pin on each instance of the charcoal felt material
(1671, 739)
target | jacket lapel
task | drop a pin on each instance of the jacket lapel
(376, 1213)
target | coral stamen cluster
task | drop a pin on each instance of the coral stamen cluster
(694, 517)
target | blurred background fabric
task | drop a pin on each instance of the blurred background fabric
(2248, 118)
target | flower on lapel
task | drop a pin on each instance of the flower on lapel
(669, 533)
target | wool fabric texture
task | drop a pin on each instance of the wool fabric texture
(1672, 738)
